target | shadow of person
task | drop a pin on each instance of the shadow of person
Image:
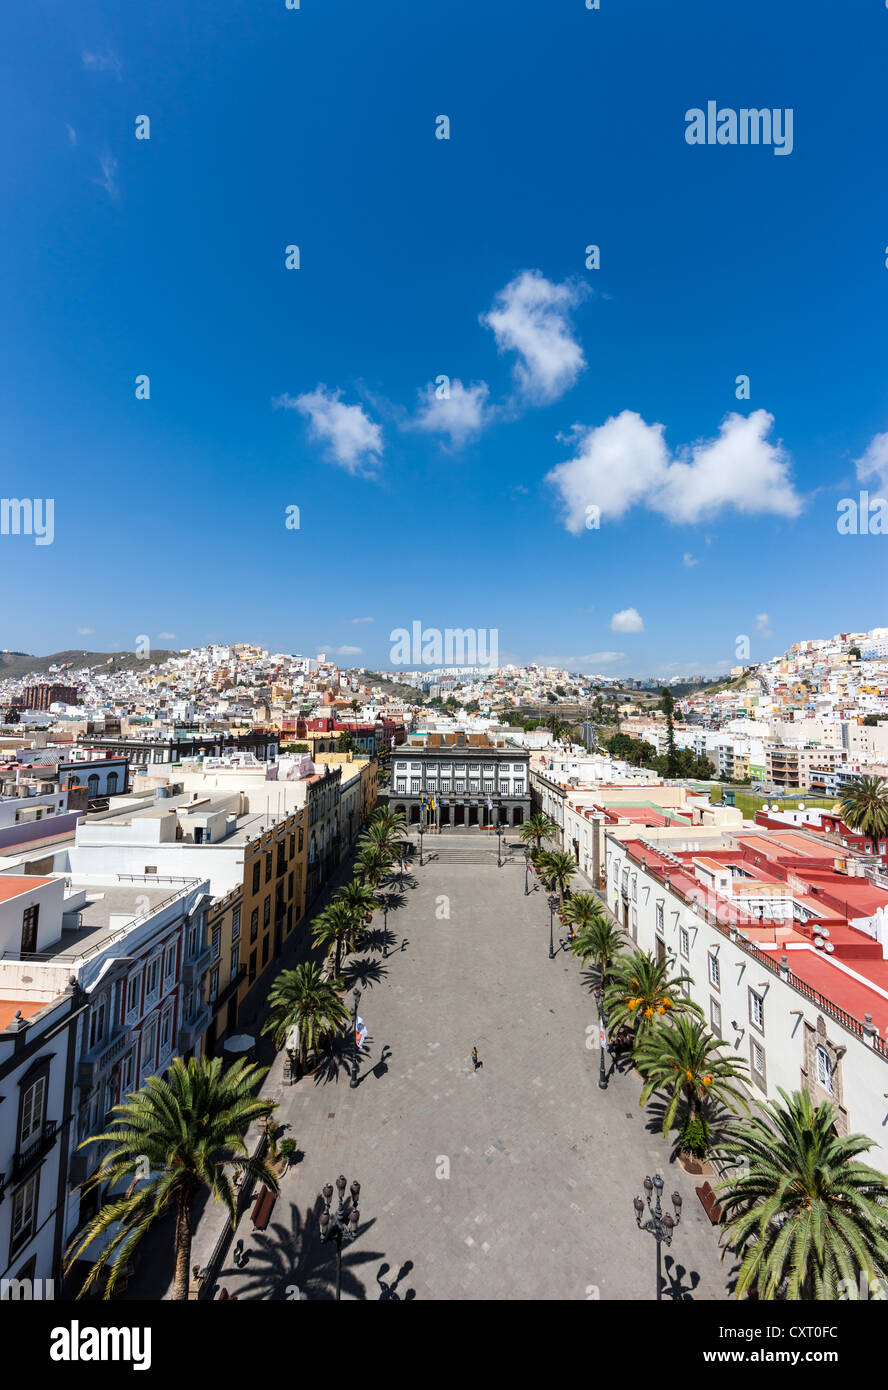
(382, 1065)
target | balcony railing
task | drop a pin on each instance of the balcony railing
(198, 965)
(104, 1054)
(34, 1150)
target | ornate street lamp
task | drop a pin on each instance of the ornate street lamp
(660, 1224)
(340, 1226)
(354, 1076)
(526, 869)
(553, 903)
(421, 832)
(500, 833)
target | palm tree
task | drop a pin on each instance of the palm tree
(560, 868)
(864, 807)
(395, 821)
(357, 897)
(373, 865)
(172, 1137)
(599, 940)
(302, 999)
(379, 835)
(807, 1214)
(641, 991)
(337, 924)
(537, 829)
(684, 1057)
(582, 911)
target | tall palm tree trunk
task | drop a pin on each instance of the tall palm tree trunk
(182, 1247)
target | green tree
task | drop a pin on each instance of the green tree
(641, 991)
(667, 704)
(357, 897)
(600, 941)
(346, 743)
(338, 926)
(582, 910)
(373, 864)
(683, 1058)
(807, 1214)
(537, 829)
(303, 999)
(172, 1137)
(864, 807)
(560, 869)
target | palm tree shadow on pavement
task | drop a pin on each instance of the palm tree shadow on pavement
(364, 971)
(291, 1262)
(335, 1059)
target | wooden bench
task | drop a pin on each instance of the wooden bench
(262, 1209)
(709, 1203)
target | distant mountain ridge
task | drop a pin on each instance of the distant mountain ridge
(15, 665)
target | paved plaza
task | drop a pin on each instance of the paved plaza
(512, 1182)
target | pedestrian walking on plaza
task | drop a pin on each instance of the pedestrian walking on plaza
(476, 1060)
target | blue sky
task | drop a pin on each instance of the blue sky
(423, 258)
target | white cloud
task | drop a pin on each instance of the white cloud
(85, 631)
(873, 464)
(355, 441)
(461, 415)
(359, 620)
(627, 620)
(688, 560)
(108, 181)
(531, 317)
(107, 61)
(166, 636)
(595, 659)
(346, 651)
(763, 625)
(72, 133)
(625, 462)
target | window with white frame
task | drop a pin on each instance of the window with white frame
(166, 1031)
(684, 942)
(635, 887)
(757, 1062)
(236, 921)
(401, 784)
(714, 971)
(824, 1069)
(488, 786)
(660, 915)
(715, 1017)
(97, 1024)
(474, 786)
(152, 977)
(133, 992)
(33, 1102)
(235, 962)
(24, 1211)
(149, 1045)
(517, 788)
(416, 785)
(127, 1071)
(169, 964)
(756, 1010)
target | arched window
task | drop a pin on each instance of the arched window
(93, 785)
(111, 783)
(824, 1069)
(312, 850)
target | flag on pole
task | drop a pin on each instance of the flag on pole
(360, 1033)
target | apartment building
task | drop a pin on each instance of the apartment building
(38, 1038)
(788, 957)
(133, 950)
